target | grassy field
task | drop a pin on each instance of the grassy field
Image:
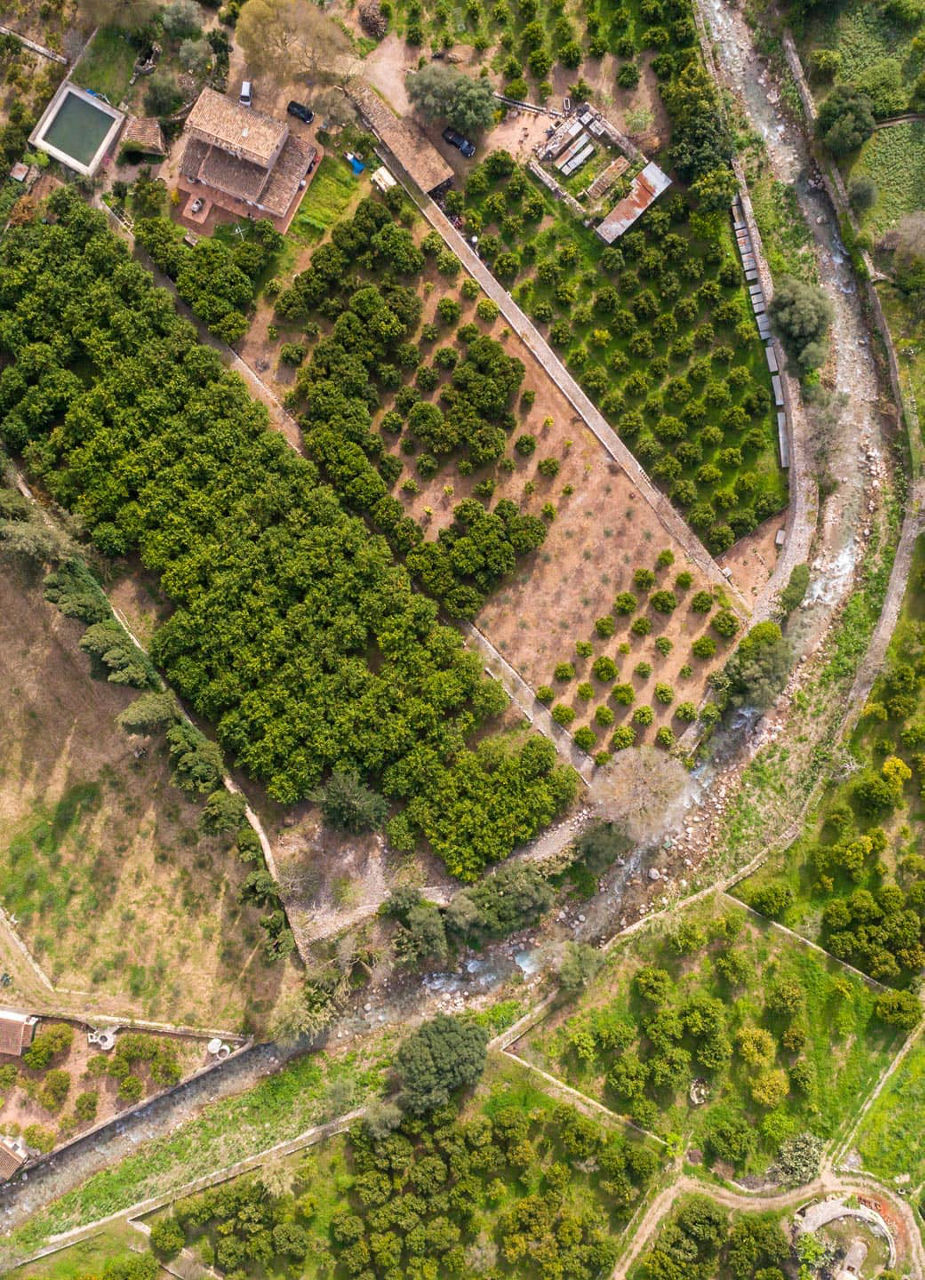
(87, 1258)
(106, 66)
(895, 159)
(786, 238)
(845, 1048)
(117, 892)
(865, 38)
(891, 1139)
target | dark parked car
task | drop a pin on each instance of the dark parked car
(459, 142)
(301, 111)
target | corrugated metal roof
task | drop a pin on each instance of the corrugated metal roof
(647, 187)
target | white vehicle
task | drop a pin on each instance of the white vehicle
(247, 94)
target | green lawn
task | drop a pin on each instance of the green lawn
(845, 1048)
(331, 191)
(892, 1138)
(106, 66)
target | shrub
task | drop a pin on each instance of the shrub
(664, 694)
(623, 737)
(525, 445)
(167, 1238)
(625, 603)
(563, 714)
(292, 353)
(664, 737)
(605, 669)
(585, 738)
(602, 757)
(641, 626)
(703, 647)
(50, 1042)
(643, 670)
(604, 717)
(605, 627)
(644, 579)
(584, 648)
(702, 602)
(725, 623)
(624, 694)
(487, 310)
(585, 691)
(564, 671)
(85, 1105)
(38, 1137)
(131, 1088)
(663, 601)
(545, 693)
(54, 1090)
(899, 1009)
(772, 900)
(643, 715)
(686, 711)
(845, 119)
(548, 467)
(663, 645)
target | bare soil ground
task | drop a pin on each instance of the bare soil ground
(116, 892)
(752, 559)
(20, 1107)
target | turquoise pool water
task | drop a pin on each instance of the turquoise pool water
(78, 128)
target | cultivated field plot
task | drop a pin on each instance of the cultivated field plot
(513, 1178)
(607, 577)
(723, 1030)
(891, 1139)
(855, 880)
(117, 892)
(62, 1085)
(657, 331)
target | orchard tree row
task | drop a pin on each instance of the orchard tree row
(294, 631)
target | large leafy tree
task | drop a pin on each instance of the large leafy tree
(845, 120)
(443, 93)
(439, 1057)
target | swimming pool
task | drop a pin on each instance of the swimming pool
(77, 128)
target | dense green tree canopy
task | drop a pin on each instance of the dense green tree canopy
(294, 630)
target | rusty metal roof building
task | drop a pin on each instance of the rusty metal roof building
(247, 134)
(16, 1031)
(646, 188)
(412, 149)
